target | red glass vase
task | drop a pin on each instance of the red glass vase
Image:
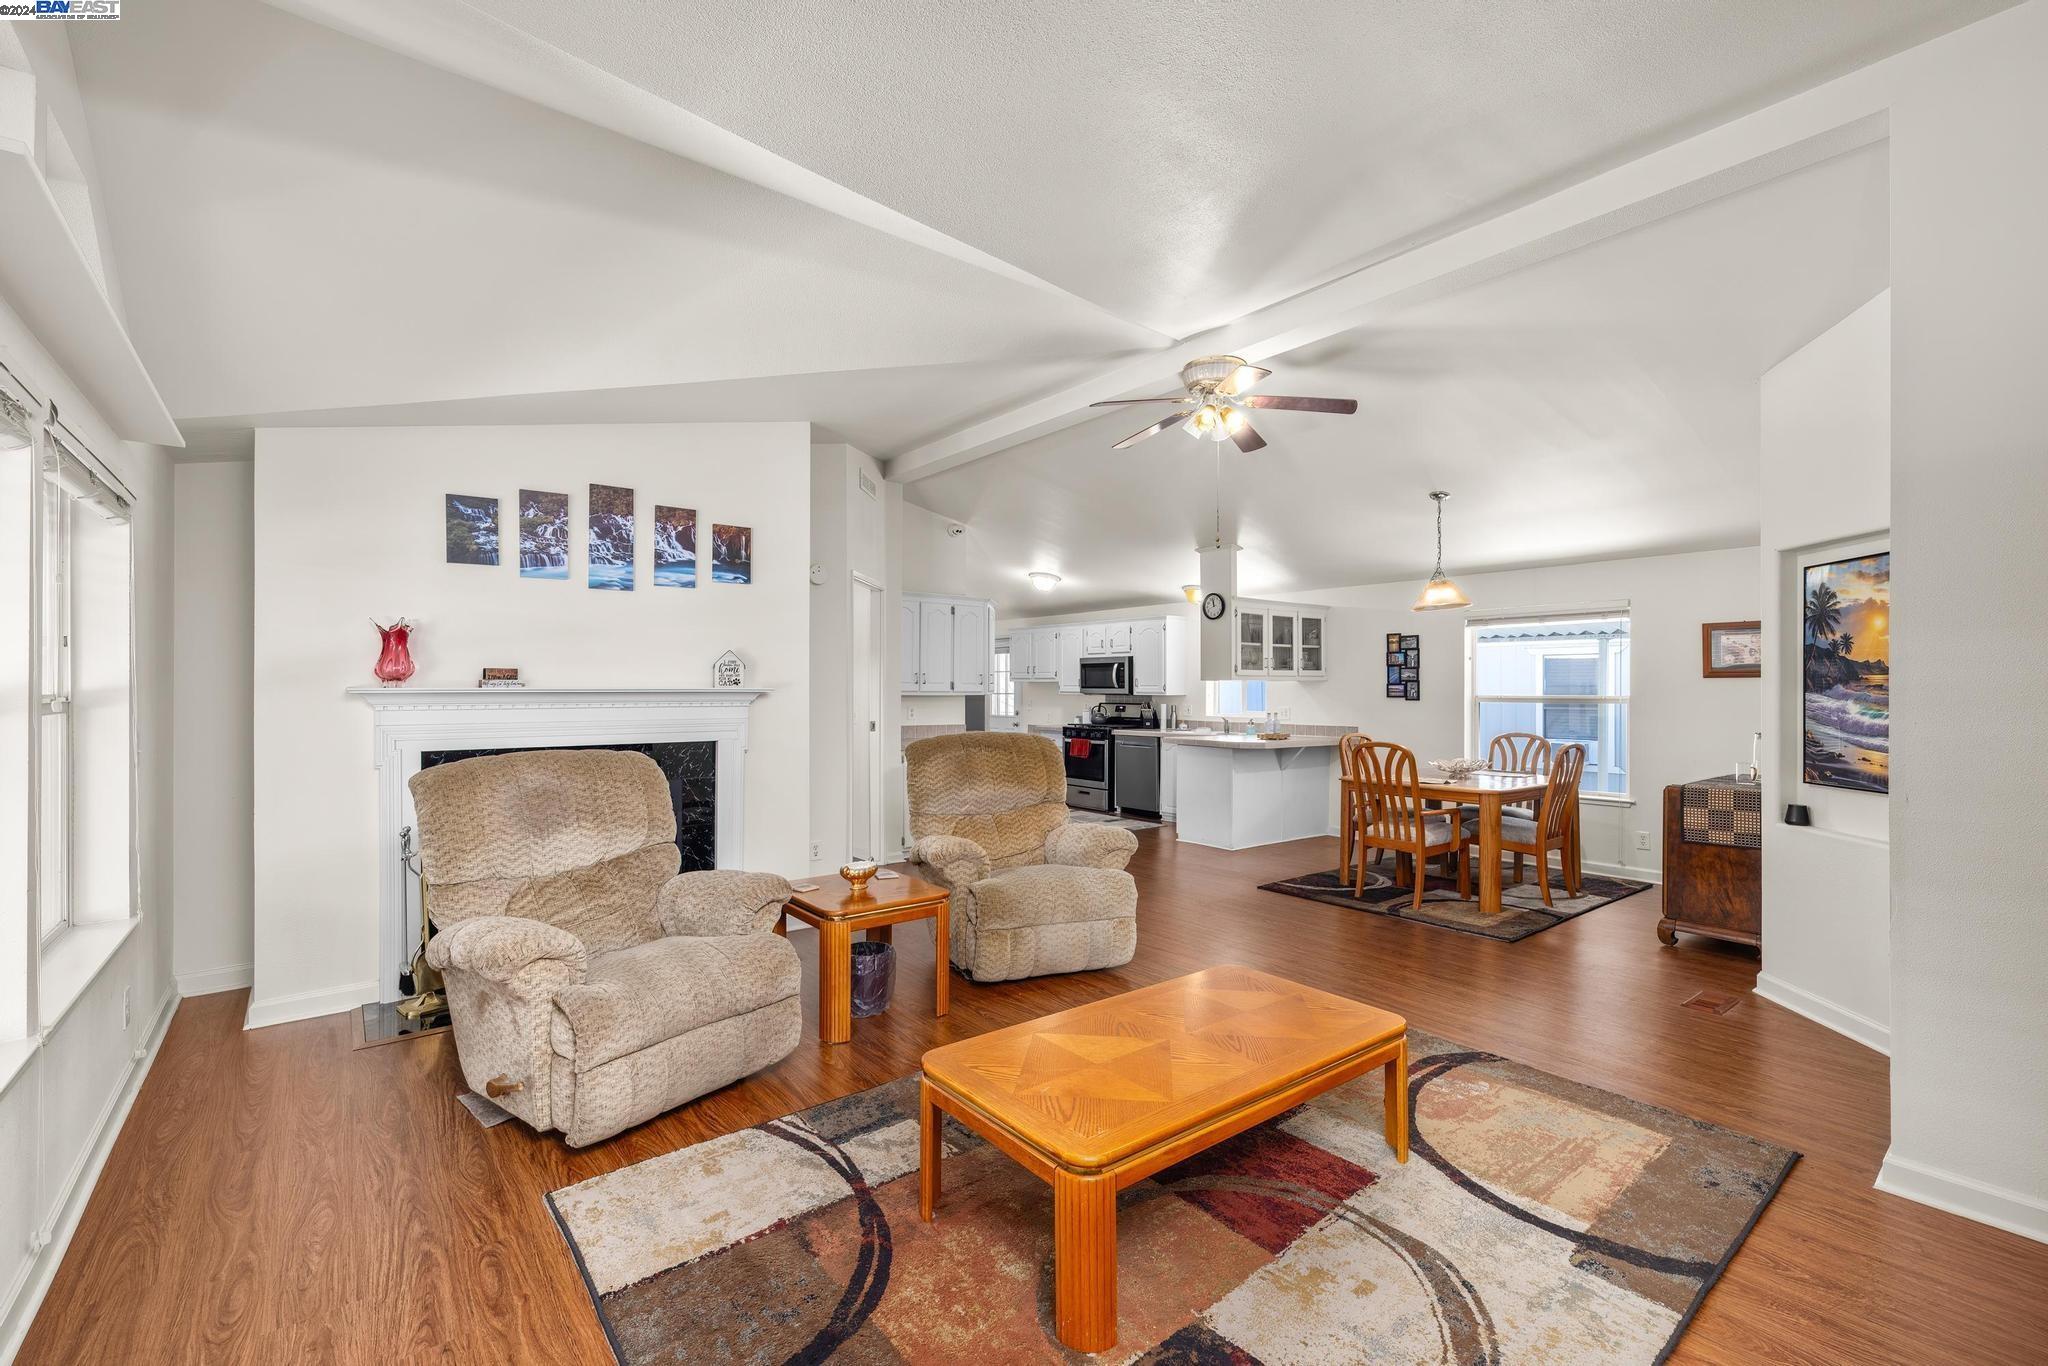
(394, 662)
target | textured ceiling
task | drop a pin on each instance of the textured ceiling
(1601, 404)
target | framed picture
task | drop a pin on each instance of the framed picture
(1846, 651)
(543, 535)
(1411, 642)
(1732, 649)
(1414, 686)
(1396, 658)
(1396, 690)
(472, 528)
(1393, 641)
(732, 553)
(675, 547)
(1411, 674)
(611, 537)
(1412, 658)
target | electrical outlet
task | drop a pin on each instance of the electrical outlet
(125, 991)
(817, 851)
(910, 711)
(1642, 839)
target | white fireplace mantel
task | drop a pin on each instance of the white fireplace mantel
(413, 720)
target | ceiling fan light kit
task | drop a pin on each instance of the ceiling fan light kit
(1216, 401)
(1440, 592)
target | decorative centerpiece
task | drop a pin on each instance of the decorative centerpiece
(857, 874)
(1457, 770)
(1276, 735)
(394, 663)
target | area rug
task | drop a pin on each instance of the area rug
(1110, 819)
(1522, 912)
(1536, 1220)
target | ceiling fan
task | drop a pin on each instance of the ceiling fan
(1215, 403)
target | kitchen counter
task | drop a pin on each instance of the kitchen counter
(1239, 740)
(1237, 791)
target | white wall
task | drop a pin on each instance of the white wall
(1969, 648)
(214, 658)
(1681, 726)
(60, 1110)
(348, 527)
(1826, 487)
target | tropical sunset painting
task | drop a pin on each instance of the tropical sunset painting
(1848, 654)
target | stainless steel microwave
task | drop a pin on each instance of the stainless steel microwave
(1107, 676)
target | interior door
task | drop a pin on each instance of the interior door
(971, 649)
(935, 647)
(863, 759)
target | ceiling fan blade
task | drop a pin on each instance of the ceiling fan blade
(1306, 405)
(1119, 402)
(1243, 378)
(1247, 440)
(1170, 420)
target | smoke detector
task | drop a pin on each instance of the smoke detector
(956, 531)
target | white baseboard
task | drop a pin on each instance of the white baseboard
(1622, 870)
(305, 1005)
(25, 1296)
(1964, 1195)
(206, 982)
(1822, 1011)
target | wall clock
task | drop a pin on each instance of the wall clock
(1212, 606)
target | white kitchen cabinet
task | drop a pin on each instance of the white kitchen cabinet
(1071, 641)
(1117, 637)
(1282, 653)
(1148, 657)
(948, 644)
(1094, 638)
(1169, 764)
(1251, 643)
(972, 647)
(1312, 661)
(906, 628)
(1035, 655)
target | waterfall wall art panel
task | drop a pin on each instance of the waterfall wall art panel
(675, 547)
(543, 535)
(611, 537)
(472, 529)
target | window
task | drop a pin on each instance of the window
(83, 734)
(1002, 692)
(1246, 698)
(1564, 677)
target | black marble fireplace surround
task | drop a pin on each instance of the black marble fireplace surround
(691, 767)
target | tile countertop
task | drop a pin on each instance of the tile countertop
(1239, 740)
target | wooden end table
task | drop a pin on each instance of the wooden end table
(1094, 1099)
(835, 910)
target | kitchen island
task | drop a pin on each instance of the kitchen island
(1237, 791)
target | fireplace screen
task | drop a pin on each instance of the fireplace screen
(691, 767)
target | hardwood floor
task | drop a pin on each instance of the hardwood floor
(278, 1196)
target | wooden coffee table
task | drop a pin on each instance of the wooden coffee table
(1096, 1098)
(835, 910)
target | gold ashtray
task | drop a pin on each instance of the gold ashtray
(857, 875)
(1276, 735)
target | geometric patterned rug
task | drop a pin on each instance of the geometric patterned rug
(1522, 912)
(1536, 1220)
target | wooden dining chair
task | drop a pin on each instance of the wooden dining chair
(1391, 816)
(1518, 751)
(1552, 826)
(1347, 799)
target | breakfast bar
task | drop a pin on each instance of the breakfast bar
(1238, 791)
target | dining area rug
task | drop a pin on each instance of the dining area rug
(1536, 1220)
(1522, 912)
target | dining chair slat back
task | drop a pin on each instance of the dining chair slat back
(1567, 763)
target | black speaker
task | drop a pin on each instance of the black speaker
(1796, 814)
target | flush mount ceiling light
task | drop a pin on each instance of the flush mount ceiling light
(1440, 592)
(1215, 403)
(1043, 580)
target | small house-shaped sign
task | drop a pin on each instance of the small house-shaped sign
(728, 672)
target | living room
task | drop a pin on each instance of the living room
(1207, 686)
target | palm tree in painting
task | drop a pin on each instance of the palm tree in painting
(1844, 643)
(1823, 613)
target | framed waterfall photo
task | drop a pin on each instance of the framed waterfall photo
(472, 528)
(611, 537)
(1846, 651)
(675, 547)
(543, 535)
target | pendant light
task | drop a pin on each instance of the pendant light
(1440, 592)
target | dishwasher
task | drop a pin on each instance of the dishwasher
(1136, 773)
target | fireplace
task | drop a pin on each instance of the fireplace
(697, 735)
(691, 767)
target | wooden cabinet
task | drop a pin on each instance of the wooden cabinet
(1709, 889)
(947, 644)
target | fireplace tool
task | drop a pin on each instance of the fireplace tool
(421, 978)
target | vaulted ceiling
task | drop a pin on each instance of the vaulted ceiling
(904, 222)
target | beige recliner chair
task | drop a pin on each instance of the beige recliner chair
(590, 985)
(1032, 894)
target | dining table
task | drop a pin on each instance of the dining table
(1489, 791)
